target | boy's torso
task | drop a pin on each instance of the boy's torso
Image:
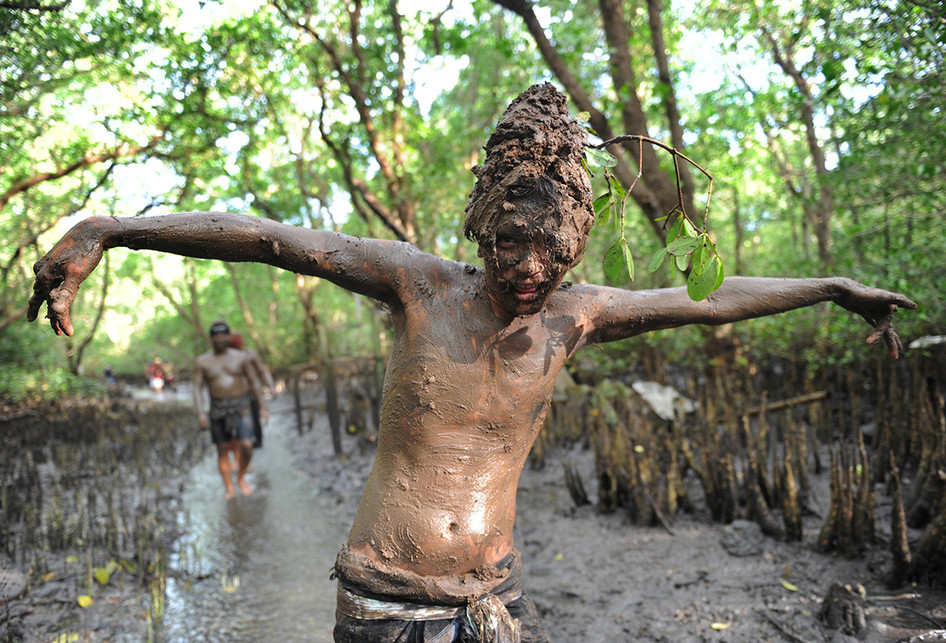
(464, 398)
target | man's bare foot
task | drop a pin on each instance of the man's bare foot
(245, 487)
(231, 493)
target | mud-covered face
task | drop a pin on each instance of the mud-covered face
(528, 254)
(534, 153)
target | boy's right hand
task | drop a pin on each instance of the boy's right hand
(61, 270)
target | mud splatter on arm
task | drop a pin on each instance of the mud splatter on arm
(616, 314)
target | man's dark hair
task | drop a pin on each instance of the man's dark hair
(219, 326)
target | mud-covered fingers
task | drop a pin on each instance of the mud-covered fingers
(904, 302)
(882, 325)
(894, 345)
(890, 337)
(42, 286)
(32, 309)
(59, 305)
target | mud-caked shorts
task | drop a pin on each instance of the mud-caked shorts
(231, 419)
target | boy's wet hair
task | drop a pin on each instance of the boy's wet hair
(535, 142)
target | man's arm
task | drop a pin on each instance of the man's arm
(266, 377)
(249, 371)
(202, 418)
(368, 266)
(616, 314)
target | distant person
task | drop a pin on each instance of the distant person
(476, 353)
(266, 381)
(155, 372)
(230, 379)
(168, 375)
(109, 374)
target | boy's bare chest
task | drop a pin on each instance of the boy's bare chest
(479, 370)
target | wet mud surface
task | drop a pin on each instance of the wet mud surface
(594, 577)
(598, 579)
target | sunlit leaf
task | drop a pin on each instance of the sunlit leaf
(601, 203)
(601, 158)
(617, 188)
(720, 626)
(85, 600)
(101, 575)
(683, 246)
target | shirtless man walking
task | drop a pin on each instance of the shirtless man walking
(476, 352)
(230, 379)
(265, 377)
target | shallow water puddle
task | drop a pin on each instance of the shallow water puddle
(254, 568)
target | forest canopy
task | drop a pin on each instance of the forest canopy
(821, 123)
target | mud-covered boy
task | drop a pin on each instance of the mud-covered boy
(476, 352)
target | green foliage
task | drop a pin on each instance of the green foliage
(251, 114)
(691, 249)
(32, 369)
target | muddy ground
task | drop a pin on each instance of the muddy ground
(594, 577)
(598, 579)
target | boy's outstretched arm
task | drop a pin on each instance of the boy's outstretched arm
(366, 266)
(621, 313)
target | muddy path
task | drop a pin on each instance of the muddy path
(256, 568)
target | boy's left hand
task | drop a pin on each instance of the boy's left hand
(877, 307)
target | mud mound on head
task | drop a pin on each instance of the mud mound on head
(535, 138)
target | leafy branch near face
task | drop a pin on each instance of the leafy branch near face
(688, 245)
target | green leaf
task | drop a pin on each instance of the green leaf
(675, 228)
(102, 575)
(601, 203)
(601, 158)
(617, 262)
(657, 260)
(628, 258)
(682, 261)
(699, 286)
(720, 273)
(699, 258)
(683, 246)
(618, 188)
